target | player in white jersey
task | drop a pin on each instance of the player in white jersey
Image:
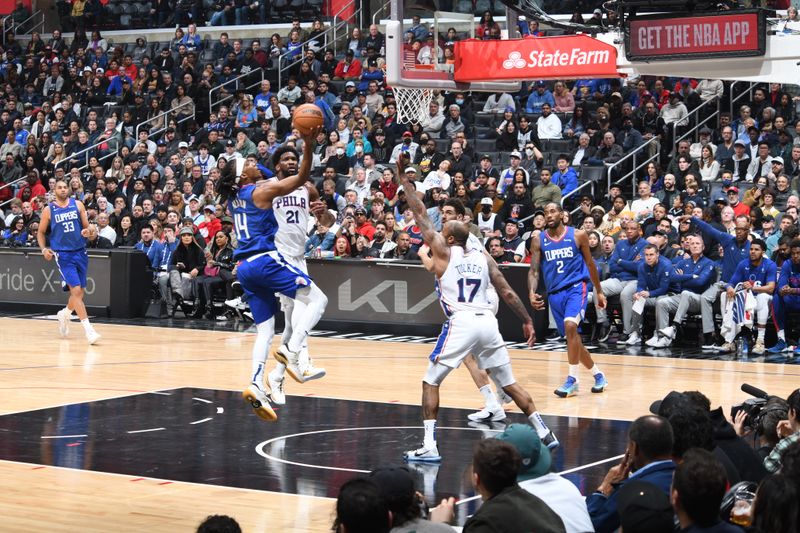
(292, 212)
(462, 281)
(453, 209)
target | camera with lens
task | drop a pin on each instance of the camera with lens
(753, 407)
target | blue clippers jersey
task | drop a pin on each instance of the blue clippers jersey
(65, 227)
(562, 261)
(255, 227)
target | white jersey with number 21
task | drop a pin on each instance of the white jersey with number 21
(291, 212)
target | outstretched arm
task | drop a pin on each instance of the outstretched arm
(266, 191)
(582, 241)
(510, 297)
(432, 237)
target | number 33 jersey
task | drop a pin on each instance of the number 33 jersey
(562, 261)
(291, 212)
(463, 285)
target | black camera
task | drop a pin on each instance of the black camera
(752, 406)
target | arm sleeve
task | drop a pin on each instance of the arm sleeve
(704, 277)
(664, 279)
(709, 231)
(603, 512)
(641, 284)
(772, 272)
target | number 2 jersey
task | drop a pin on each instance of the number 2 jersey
(255, 227)
(463, 285)
(562, 261)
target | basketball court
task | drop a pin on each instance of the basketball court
(147, 430)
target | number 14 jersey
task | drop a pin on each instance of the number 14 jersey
(463, 285)
(562, 261)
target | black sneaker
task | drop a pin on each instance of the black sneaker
(603, 332)
(550, 441)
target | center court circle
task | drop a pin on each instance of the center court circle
(261, 448)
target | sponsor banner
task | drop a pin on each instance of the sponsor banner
(398, 298)
(669, 37)
(568, 56)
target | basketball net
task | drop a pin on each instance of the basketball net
(412, 104)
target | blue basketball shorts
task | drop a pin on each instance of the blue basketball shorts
(263, 275)
(569, 304)
(73, 266)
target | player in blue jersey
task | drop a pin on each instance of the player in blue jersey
(66, 220)
(262, 271)
(562, 252)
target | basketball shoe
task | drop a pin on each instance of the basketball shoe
(258, 400)
(550, 440)
(423, 455)
(484, 415)
(63, 322)
(569, 388)
(276, 388)
(600, 383)
(300, 371)
(92, 336)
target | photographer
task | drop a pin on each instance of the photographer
(789, 432)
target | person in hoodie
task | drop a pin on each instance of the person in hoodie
(624, 269)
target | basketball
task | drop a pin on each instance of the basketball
(307, 117)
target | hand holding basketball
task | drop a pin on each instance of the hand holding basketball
(308, 120)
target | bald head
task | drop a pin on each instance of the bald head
(458, 231)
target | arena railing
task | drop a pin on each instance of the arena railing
(692, 118)
(11, 184)
(748, 91)
(35, 21)
(214, 103)
(634, 155)
(330, 36)
(165, 115)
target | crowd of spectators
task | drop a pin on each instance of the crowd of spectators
(685, 468)
(85, 109)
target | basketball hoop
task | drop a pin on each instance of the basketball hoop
(412, 104)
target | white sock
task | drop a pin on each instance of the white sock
(594, 370)
(266, 330)
(87, 327)
(761, 332)
(573, 371)
(489, 399)
(538, 424)
(781, 335)
(309, 304)
(68, 311)
(430, 433)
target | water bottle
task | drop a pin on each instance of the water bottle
(740, 347)
(317, 253)
(745, 348)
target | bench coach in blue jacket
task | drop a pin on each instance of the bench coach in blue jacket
(696, 275)
(647, 458)
(655, 279)
(623, 267)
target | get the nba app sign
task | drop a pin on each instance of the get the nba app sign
(739, 34)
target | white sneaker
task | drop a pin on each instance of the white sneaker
(759, 348)
(236, 303)
(291, 359)
(662, 342)
(276, 389)
(634, 339)
(503, 398)
(653, 341)
(63, 322)
(668, 332)
(310, 372)
(484, 415)
(423, 455)
(92, 336)
(258, 400)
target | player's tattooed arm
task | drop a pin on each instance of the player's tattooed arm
(512, 299)
(537, 302)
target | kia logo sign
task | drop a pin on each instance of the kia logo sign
(574, 56)
(540, 58)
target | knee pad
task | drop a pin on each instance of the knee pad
(502, 376)
(436, 373)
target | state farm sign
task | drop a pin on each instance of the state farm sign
(669, 37)
(572, 56)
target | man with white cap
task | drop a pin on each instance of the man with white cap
(534, 476)
(738, 164)
(507, 176)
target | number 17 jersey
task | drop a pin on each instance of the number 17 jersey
(562, 261)
(463, 285)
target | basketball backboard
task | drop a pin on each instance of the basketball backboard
(404, 67)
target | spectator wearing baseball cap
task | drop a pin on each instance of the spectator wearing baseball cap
(561, 495)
